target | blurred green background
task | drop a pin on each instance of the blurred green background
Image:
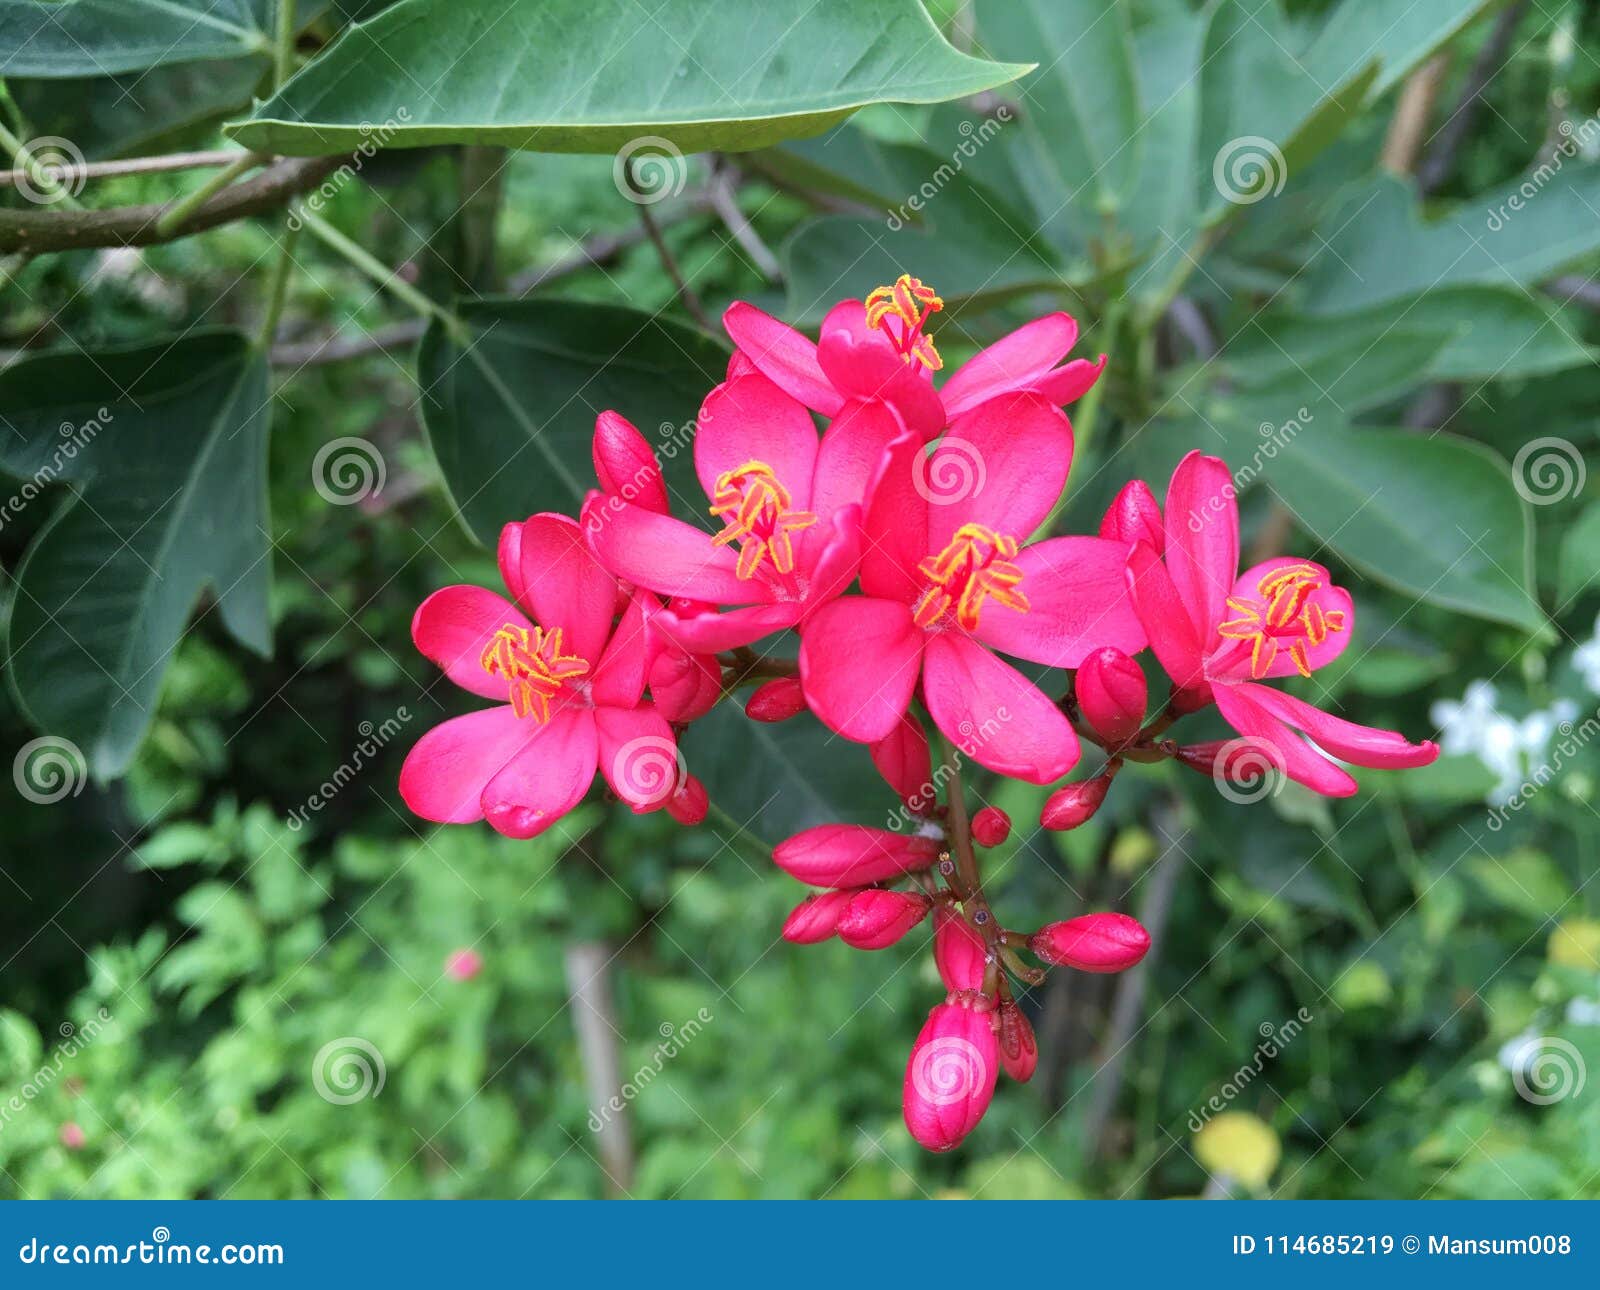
(185, 948)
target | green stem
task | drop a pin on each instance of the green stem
(283, 45)
(374, 268)
(278, 290)
(41, 177)
(174, 217)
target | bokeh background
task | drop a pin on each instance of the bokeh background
(1352, 247)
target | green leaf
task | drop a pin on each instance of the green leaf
(105, 37)
(162, 447)
(1580, 556)
(510, 413)
(1381, 251)
(596, 75)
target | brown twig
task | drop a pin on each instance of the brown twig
(1440, 160)
(1409, 128)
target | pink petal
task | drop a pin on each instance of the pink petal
(619, 677)
(903, 759)
(1361, 745)
(711, 632)
(684, 686)
(853, 454)
(639, 757)
(1069, 383)
(1202, 531)
(851, 855)
(783, 355)
(546, 777)
(859, 659)
(509, 556)
(665, 554)
(1278, 744)
(896, 524)
(1078, 601)
(451, 628)
(1014, 362)
(565, 586)
(1166, 621)
(626, 465)
(866, 367)
(833, 569)
(751, 420)
(1002, 465)
(993, 713)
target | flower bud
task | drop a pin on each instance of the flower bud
(72, 1136)
(1112, 695)
(1072, 804)
(852, 855)
(463, 964)
(1135, 517)
(990, 827)
(903, 760)
(958, 950)
(1019, 1050)
(1092, 942)
(776, 700)
(1204, 757)
(816, 918)
(626, 466)
(950, 1077)
(688, 806)
(684, 686)
(875, 919)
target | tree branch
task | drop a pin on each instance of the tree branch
(36, 231)
(69, 175)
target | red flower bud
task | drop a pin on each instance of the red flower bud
(958, 951)
(1019, 1050)
(776, 700)
(690, 803)
(1135, 517)
(72, 1136)
(850, 855)
(1092, 942)
(950, 1077)
(626, 466)
(990, 827)
(684, 686)
(1112, 695)
(1072, 804)
(463, 964)
(875, 919)
(902, 759)
(816, 918)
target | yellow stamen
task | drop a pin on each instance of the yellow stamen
(976, 565)
(757, 512)
(1286, 613)
(911, 302)
(532, 661)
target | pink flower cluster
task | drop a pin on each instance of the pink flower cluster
(907, 545)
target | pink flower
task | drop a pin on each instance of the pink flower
(816, 918)
(72, 1136)
(1074, 804)
(1092, 942)
(958, 951)
(851, 855)
(906, 764)
(952, 1071)
(568, 683)
(1218, 633)
(463, 964)
(948, 579)
(789, 506)
(879, 350)
(875, 919)
(1112, 695)
(776, 700)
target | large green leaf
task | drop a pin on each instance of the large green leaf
(510, 408)
(596, 75)
(162, 448)
(1380, 249)
(105, 37)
